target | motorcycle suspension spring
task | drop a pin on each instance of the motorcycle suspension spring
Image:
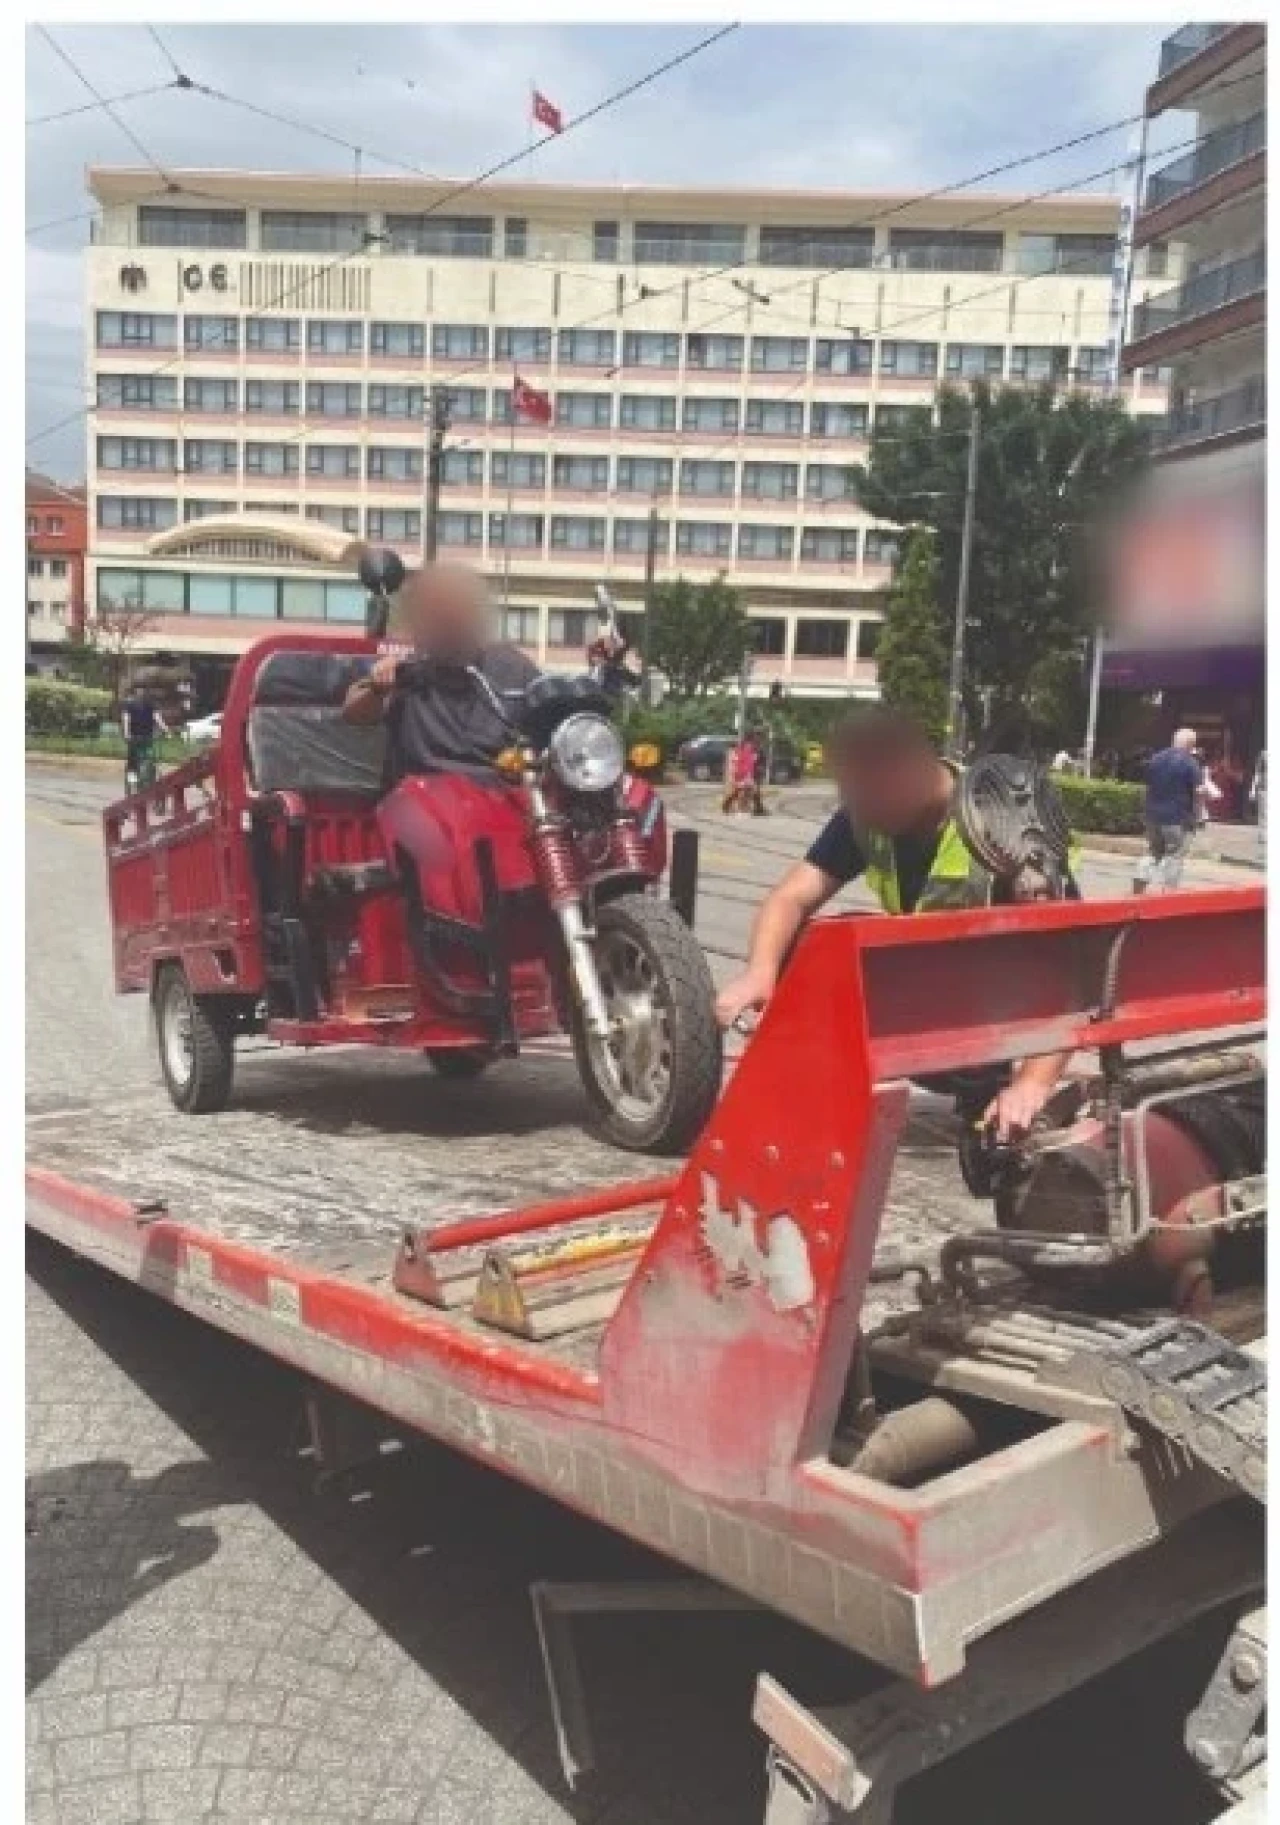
(629, 852)
(556, 860)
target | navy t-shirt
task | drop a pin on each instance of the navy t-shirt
(1173, 778)
(837, 852)
(139, 719)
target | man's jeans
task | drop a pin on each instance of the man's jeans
(1167, 846)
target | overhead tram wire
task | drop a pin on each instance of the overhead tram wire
(526, 151)
(91, 107)
(103, 101)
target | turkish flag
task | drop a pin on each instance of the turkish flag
(547, 114)
(528, 402)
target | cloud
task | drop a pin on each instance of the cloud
(871, 107)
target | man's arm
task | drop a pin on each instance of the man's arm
(801, 892)
(366, 700)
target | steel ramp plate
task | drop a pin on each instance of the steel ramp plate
(545, 1287)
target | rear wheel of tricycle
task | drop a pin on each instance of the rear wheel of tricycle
(195, 1036)
(654, 1082)
(457, 1064)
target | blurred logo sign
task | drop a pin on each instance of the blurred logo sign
(1188, 567)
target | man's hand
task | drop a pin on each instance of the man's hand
(382, 673)
(745, 994)
(1012, 1111)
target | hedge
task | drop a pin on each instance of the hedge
(69, 710)
(1105, 806)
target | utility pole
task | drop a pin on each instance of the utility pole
(646, 625)
(955, 694)
(437, 425)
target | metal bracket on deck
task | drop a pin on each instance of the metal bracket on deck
(555, 1606)
(1226, 1733)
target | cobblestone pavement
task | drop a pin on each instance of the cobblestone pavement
(215, 1633)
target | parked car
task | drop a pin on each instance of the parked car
(706, 757)
(204, 729)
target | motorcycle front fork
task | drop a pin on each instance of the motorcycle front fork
(558, 872)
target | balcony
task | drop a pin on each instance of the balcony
(1194, 56)
(1223, 415)
(1217, 302)
(1216, 153)
(1187, 42)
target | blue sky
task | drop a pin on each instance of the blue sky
(841, 107)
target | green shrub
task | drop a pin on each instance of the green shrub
(68, 710)
(1106, 806)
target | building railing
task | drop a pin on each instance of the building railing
(1207, 291)
(1227, 147)
(1243, 408)
(1188, 42)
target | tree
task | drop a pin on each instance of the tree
(912, 657)
(699, 635)
(1051, 467)
(110, 639)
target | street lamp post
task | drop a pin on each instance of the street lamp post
(955, 693)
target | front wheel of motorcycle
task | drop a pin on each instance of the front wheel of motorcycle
(655, 1080)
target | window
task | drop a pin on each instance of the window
(222, 396)
(211, 333)
(273, 335)
(159, 226)
(650, 349)
(145, 392)
(33, 525)
(1157, 260)
(279, 398)
(515, 237)
(1039, 363)
(345, 602)
(460, 342)
(779, 354)
(301, 600)
(1155, 377)
(710, 415)
(57, 567)
(451, 237)
(825, 247)
(582, 474)
(584, 411)
(460, 529)
(467, 405)
(827, 639)
(704, 538)
(138, 453)
(688, 244)
(774, 418)
(768, 636)
(256, 598)
(946, 250)
(909, 360)
(394, 525)
(517, 470)
(270, 507)
(522, 345)
(392, 465)
(568, 627)
(407, 341)
(327, 399)
(205, 510)
(312, 231)
(975, 360)
(136, 329)
(633, 536)
(346, 519)
(575, 532)
(210, 456)
(606, 242)
(828, 545)
(770, 481)
(880, 547)
(830, 482)
(706, 478)
(35, 567)
(720, 352)
(1093, 366)
(522, 626)
(647, 412)
(271, 459)
(141, 513)
(1069, 253)
(519, 531)
(587, 348)
(333, 336)
(850, 355)
(338, 462)
(458, 468)
(397, 402)
(902, 418)
(835, 419)
(159, 590)
(869, 633)
(53, 526)
(774, 543)
(644, 474)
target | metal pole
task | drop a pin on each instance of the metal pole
(646, 625)
(438, 425)
(955, 694)
(511, 488)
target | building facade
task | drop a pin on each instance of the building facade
(263, 349)
(57, 542)
(1191, 602)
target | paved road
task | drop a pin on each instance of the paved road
(213, 1635)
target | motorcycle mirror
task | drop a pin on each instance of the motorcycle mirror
(381, 570)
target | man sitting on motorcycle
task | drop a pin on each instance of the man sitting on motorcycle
(454, 724)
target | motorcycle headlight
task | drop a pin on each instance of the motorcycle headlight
(586, 752)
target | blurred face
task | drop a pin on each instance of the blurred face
(447, 612)
(890, 787)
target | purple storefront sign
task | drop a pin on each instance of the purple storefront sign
(1221, 668)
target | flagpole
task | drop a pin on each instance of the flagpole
(511, 485)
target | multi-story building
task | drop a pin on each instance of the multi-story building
(262, 365)
(57, 540)
(1191, 620)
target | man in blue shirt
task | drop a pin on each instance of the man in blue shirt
(1175, 791)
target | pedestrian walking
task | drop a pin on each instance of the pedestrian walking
(1174, 806)
(741, 776)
